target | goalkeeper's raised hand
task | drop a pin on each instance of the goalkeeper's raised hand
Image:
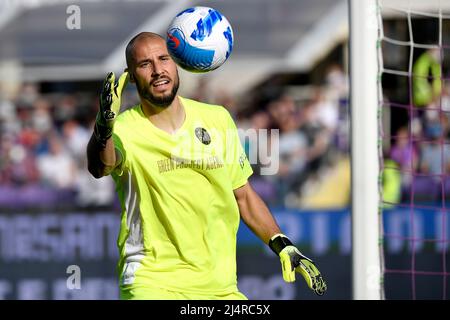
(292, 260)
(110, 100)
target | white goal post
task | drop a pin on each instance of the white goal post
(366, 257)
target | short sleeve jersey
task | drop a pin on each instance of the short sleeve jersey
(179, 214)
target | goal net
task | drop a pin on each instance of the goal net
(411, 44)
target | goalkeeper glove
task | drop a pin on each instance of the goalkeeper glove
(292, 260)
(110, 99)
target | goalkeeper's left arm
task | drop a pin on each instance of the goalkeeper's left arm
(258, 218)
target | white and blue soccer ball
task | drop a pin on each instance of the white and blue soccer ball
(200, 39)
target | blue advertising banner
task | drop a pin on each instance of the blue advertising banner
(41, 252)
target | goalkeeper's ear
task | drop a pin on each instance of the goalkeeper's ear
(131, 75)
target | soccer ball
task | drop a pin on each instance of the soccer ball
(200, 39)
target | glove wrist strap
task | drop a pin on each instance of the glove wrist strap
(279, 242)
(102, 134)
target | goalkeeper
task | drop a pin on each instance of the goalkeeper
(181, 177)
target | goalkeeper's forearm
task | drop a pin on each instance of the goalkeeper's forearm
(101, 159)
(255, 213)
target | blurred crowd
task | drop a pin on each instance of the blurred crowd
(313, 137)
(43, 140)
(43, 151)
(420, 151)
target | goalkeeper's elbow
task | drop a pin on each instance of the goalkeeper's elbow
(99, 170)
(97, 173)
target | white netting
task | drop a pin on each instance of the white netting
(414, 104)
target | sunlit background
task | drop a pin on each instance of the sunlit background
(288, 71)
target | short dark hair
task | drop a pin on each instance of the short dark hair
(130, 45)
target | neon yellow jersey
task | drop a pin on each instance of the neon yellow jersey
(179, 214)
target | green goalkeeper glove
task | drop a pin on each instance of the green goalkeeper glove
(292, 260)
(110, 99)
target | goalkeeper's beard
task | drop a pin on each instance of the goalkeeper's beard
(163, 101)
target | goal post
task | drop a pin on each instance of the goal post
(366, 257)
